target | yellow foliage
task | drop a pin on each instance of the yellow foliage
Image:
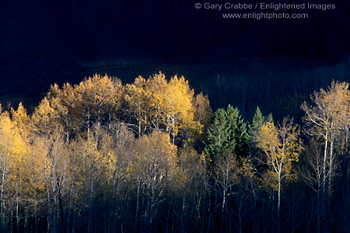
(179, 180)
(137, 98)
(21, 119)
(12, 145)
(203, 111)
(13, 153)
(282, 147)
(44, 118)
(77, 107)
(246, 168)
(331, 110)
(268, 139)
(35, 169)
(163, 105)
(154, 156)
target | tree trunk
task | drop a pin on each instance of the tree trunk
(324, 190)
(92, 177)
(17, 210)
(318, 212)
(279, 202)
(325, 159)
(223, 208)
(182, 229)
(137, 203)
(330, 170)
(47, 180)
(70, 202)
(2, 211)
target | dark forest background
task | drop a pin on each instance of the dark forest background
(242, 62)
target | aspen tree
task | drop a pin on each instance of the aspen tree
(282, 147)
(325, 118)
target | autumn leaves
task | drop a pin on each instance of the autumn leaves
(90, 144)
(150, 155)
(145, 105)
(169, 106)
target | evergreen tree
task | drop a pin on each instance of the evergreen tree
(238, 131)
(219, 140)
(257, 122)
(227, 134)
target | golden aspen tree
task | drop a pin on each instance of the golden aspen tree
(153, 165)
(92, 165)
(12, 149)
(157, 86)
(226, 172)
(36, 160)
(117, 155)
(172, 106)
(64, 102)
(282, 147)
(99, 97)
(203, 112)
(325, 119)
(137, 98)
(179, 109)
(188, 184)
(78, 182)
(167, 105)
(312, 175)
(78, 107)
(44, 118)
(21, 119)
(56, 176)
(28, 181)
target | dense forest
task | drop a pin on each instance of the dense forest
(151, 156)
(254, 137)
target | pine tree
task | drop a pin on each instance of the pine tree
(239, 131)
(219, 140)
(257, 122)
(227, 134)
(254, 128)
